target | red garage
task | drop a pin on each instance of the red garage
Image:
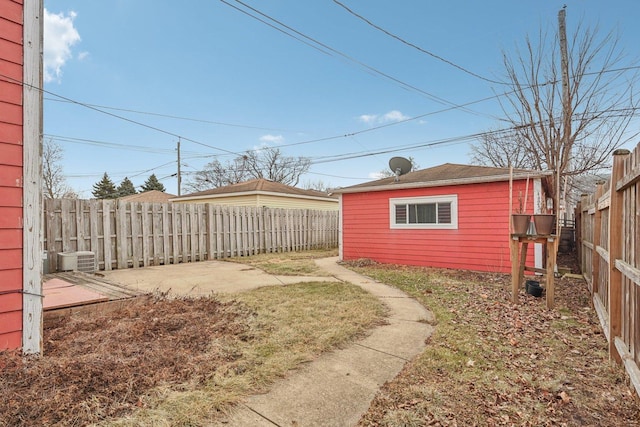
(448, 216)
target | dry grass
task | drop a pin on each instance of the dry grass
(291, 325)
(492, 363)
(174, 362)
(289, 263)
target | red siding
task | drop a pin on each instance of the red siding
(11, 190)
(11, 69)
(11, 154)
(12, 11)
(10, 280)
(11, 340)
(480, 243)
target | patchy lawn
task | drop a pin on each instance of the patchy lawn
(490, 362)
(169, 362)
(288, 263)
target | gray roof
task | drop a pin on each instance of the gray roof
(256, 186)
(446, 174)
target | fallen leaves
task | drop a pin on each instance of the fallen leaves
(524, 365)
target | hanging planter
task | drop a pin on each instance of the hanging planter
(544, 223)
(520, 223)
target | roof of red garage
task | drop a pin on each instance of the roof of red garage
(446, 174)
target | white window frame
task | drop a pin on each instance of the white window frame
(448, 198)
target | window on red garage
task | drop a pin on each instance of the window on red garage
(438, 212)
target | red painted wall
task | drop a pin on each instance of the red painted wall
(11, 192)
(480, 243)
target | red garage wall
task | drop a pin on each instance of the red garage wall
(11, 173)
(480, 243)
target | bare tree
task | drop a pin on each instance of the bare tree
(271, 164)
(502, 150)
(318, 185)
(54, 183)
(600, 105)
(216, 174)
(268, 163)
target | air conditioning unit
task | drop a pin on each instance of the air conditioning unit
(67, 261)
(84, 261)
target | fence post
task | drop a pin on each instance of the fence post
(122, 246)
(597, 241)
(615, 252)
(106, 234)
(577, 225)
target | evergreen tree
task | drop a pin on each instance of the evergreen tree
(126, 188)
(152, 183)
(105, 188)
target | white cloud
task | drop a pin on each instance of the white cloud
(59, 36)
(275, 139)
(368, 118)
(394, 116)
(391, 116)
(82, 56)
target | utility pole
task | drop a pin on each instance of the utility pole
(179, 175)
(563, 158)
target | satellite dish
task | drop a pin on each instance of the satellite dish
(399, 166)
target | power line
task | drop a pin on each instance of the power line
(130, 174)
(405, 85)
(374, 128)
(452, 140)
(336, 176)
(213, 122)
(114, 145)
(439, 58)
(445, 141)
(123, 174)
(126, 119)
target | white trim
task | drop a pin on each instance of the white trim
(537, 198)
(32, 177)
(447, 198)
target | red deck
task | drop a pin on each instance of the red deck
(60, 294)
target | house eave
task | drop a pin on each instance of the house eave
(442, 183)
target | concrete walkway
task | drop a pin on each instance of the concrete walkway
(202, 278)
(338, 387)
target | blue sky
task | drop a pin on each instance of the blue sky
(154, 72)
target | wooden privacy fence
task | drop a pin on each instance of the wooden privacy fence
(134, 234)
(609, 242)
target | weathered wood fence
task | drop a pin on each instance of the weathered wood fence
(609, 250)
(134, 234)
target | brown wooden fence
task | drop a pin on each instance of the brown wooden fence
(134, 234)
(609, 242)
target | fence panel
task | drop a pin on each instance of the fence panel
(610, 258)
(134, 234)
